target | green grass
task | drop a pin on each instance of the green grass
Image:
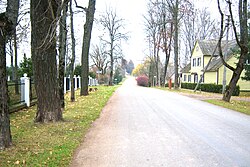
(245, 94)
(236, 105)
(53, 144)
(240, 106)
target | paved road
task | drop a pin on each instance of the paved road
(145, 127)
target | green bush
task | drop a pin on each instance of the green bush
(209, 88)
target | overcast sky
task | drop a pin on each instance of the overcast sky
(130, 10)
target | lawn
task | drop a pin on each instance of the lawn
(53, 144)
(236, 104)
(240, 106)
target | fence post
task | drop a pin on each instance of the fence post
(79, 79)
(25, 89)
(65, 84)
(75, 79)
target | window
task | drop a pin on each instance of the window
(195, 78)
(185, 78)
(189, 78)
(199, 61)
(194, 62)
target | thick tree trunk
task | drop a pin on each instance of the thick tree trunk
(43, 49)
(5, 134)
(85, 47)
(236, 76)
(72, 94)
(62, 53)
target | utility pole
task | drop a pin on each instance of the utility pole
(224, 82)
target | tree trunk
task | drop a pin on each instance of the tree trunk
(16, 64)
(167, 51)
(62, 53)
(12, 61)
(7, 26)
(5, 134)
(176, 49)
(43, 49)
(232, 85)
(242, 41)
(111, 70)
(85, 47)
(72, 94)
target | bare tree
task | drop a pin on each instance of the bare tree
(241, 38)
(153, 28)
(100, 59)
(72, 61)
(7, 28)
(197, 25)
(90, 11)
(113, 25)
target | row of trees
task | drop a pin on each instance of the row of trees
(167, 22)
(49, 32)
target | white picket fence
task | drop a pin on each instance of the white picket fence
(25, 86)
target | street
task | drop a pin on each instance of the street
(146, 127)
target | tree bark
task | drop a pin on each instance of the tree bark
(167, 50)
(90, 11)
(176, 43)
(72, 94)
(43, 49)
(8, 24)
(62, 53)
(16, 64)
(11, 61)
(5, 133)
(111, 74)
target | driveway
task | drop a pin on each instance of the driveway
(145, 127)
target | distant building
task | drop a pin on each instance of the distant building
(201, 54)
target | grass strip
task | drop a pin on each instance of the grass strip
(53, 144)
(240, 106)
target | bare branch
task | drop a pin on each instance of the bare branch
(83, 8)
(220, 39)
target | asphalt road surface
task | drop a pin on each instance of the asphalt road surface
(145, 127)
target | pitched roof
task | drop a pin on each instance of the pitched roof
(208, 47)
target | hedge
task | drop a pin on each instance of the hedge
(209, 88)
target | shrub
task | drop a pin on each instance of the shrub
(209, 88)
(142, 80)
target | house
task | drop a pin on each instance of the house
(201, 54)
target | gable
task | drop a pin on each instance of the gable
(208, 48)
